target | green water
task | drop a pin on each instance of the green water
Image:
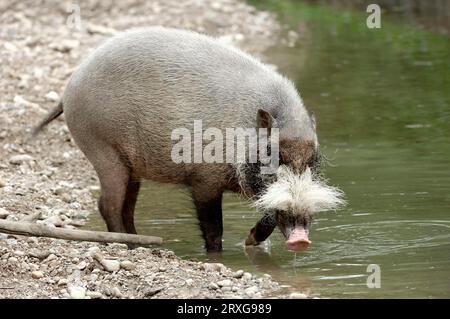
(382, 100)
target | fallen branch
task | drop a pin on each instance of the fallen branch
(39, 230)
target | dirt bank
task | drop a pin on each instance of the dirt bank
(48, 180)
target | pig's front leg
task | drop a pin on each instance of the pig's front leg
(259, 233)
(209, 212)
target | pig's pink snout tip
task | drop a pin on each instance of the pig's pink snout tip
(298, 244)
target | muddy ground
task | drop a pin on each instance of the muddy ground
(47, 179)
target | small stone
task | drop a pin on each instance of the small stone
(39, 254)
(94, 188)
(2, 182)
(247, 276)
(297, 295)
(116, 292)
(213, 267)
(82, 265)
(3, 213)
(99, 29)
(127, 265)
(267, 276)
(19, 159)
(213, 286)
(53, 220)
(224, 283)
(52, 96)
(110, 265)
(251, 291)
(37, 274)
(19, 253)
(92, 251)
(94, 294)
(77, 292)
(189, 281)
(63, 282)
(93, 277)
(238, 274)
(50, 258)
(150, 291)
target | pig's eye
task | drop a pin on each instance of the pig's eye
(283, 158)
(314, 162)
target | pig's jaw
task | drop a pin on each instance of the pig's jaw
(299, 194)
(298, 239)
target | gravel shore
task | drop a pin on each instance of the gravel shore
(48, 180)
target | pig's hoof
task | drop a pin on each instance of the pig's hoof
(250, 241)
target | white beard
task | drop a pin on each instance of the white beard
(299, 194)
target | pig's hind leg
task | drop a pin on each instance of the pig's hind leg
(114, 178)
(129, 205)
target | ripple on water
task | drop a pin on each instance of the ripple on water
(362, 240)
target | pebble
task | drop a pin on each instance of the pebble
(213, 286)
(19, 159)
(53, 220)
(117, 293)
(52, 96)
(63, 282)
(213, 267)
(82, 265)
(251, 291)
(224, 283)
(110, 265)
(39, 254)
(151, 291)
(99, 29)
(37, 274)
(94, 294)
(297, 295)
(50, 258)
(238, 274)
(127, 265)
(19, 253)
(2, 182)
(247, 276)
(77, 292)
(92, 251)
(3, 213)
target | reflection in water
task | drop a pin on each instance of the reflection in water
(383, 108)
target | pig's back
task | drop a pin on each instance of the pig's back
(140, 85)
(172, 71)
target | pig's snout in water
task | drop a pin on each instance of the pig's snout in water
(298, 239)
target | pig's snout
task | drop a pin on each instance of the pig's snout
(298, 239)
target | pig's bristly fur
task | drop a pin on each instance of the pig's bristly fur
(299, 194)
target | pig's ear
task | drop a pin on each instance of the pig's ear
(264, 119)
(313, 121)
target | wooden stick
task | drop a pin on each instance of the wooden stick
(39, 230)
